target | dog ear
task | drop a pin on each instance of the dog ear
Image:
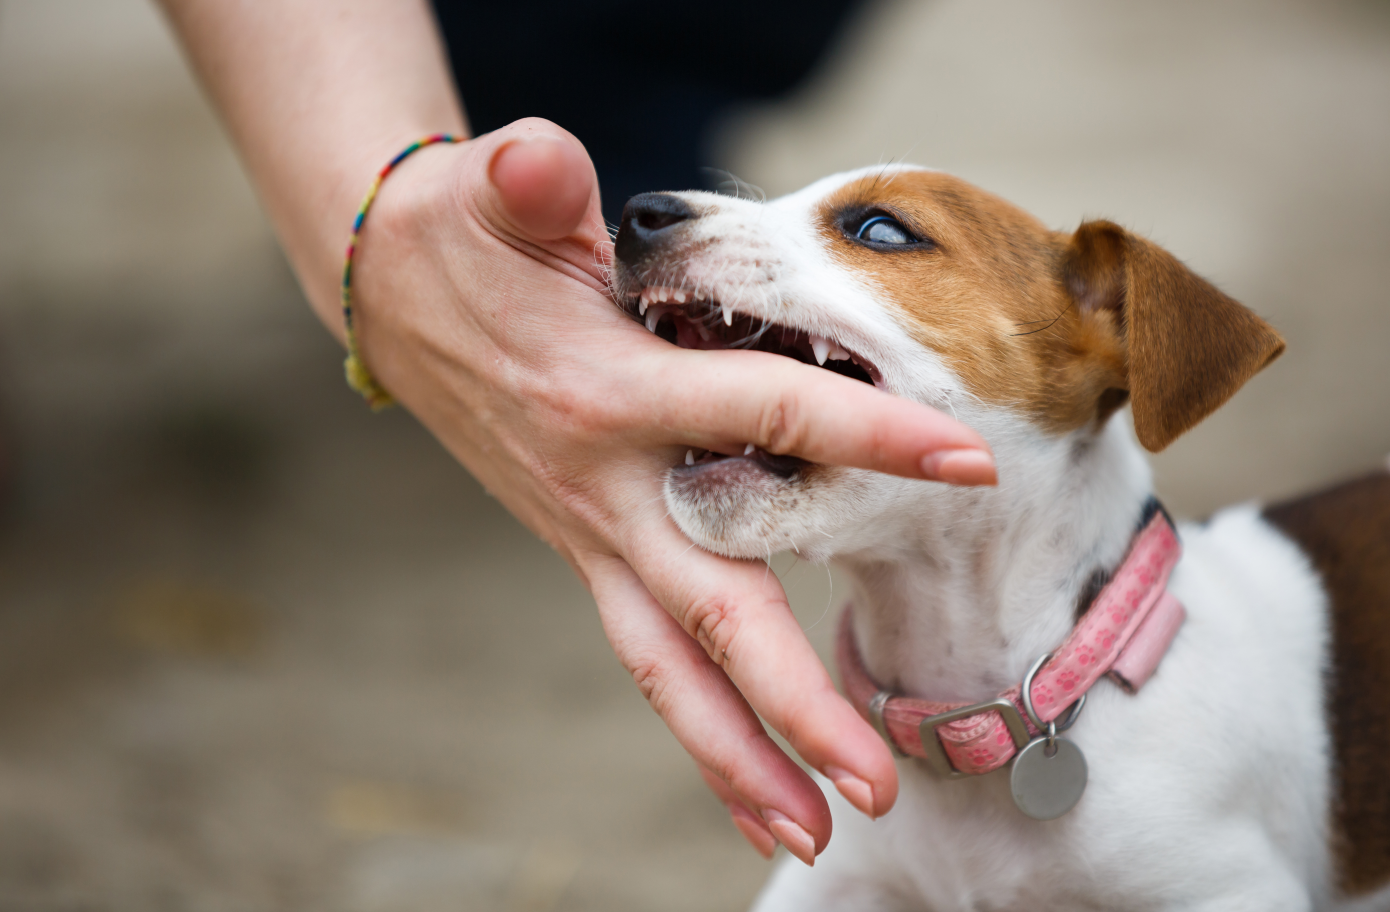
(1188, 347)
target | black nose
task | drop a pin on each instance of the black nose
(647, 220)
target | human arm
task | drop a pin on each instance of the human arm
(481, 307)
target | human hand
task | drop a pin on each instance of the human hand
(481, 306)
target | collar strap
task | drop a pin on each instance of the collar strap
(1124, 634)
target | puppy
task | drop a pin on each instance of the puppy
(1234, 754)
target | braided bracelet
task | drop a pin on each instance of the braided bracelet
(358, 377)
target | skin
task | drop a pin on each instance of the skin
(482, 307)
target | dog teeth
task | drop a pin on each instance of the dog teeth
(728, 317)
(826, 350)
(654, 317)
(689, 457)
(748, 450)
(660, 294)
(642, 307)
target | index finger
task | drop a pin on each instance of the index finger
(724, 400)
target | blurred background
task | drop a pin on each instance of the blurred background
(260, 649)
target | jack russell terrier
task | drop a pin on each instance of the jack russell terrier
(1107, 711)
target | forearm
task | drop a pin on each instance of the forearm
(317, 95)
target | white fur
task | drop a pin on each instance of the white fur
(1209, 789)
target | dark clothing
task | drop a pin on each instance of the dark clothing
(638, 82)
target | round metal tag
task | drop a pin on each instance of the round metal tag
(1047, 787)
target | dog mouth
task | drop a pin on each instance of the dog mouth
(690, 320)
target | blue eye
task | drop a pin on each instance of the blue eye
(883, 230)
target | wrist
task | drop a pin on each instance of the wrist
(316, 240)
(359, 377)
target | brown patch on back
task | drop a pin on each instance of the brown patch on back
(1066, 327)
(1346, 533)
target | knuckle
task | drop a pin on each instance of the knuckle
(567, 490)
(781, 425)
(573, 405)
(713, 622)
(652, 681)
(572, 491)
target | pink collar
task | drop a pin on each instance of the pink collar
(1124, 634)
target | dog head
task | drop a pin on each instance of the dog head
(932, 289)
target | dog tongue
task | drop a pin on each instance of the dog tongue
(690, 334)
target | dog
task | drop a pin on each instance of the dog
(1250, 770)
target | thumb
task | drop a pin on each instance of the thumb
(544, 184)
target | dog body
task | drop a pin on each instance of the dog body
(1214, 787)
(1208, 788)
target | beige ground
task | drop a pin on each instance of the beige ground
(262, 650)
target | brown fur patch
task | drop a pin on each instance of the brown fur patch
(1346, 533)
(986, 297)
(1063, 326)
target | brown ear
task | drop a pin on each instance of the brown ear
(1188, 346)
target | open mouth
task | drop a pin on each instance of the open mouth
(687, 320)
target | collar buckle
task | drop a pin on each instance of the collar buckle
(931, 745)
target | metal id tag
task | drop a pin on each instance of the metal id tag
(1046, 787)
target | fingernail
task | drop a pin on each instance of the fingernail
(856, 791)
(791, 835)
(753, 829)
(962, 467)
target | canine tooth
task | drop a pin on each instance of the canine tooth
(728, 317)
(821, 347)
(642, 307)
(748, 450)
(689, 457)
(654, 317)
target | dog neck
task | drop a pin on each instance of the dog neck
(992, 580)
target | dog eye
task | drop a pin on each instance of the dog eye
(884, 230)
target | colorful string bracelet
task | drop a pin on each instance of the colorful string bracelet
(358, 377)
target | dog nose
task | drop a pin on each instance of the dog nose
(647, 221)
